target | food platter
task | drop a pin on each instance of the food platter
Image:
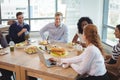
(20, 45)
(2, 52)
(57, 55)
(43, 42)
(31, 49)
(58, 52)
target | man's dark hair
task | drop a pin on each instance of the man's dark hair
(18, 13)
(118, 26)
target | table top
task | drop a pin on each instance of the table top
(32, 63)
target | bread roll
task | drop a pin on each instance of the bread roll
(58, 51)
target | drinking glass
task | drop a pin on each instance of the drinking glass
(11, 46)
(79, 48)
(27, 36)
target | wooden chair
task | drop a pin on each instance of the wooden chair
(7, 38)
(112, 76)
(10, 22)
(114, 68)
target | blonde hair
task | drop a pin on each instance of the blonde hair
(91, 34)
(58, 14)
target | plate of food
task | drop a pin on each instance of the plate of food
(3, 52)
(44, 42)
(31, 49)
(20, 45)
(58, 52)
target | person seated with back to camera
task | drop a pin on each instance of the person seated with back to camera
(6, 74)
(80, 25)
(90, 64)
(58, 32)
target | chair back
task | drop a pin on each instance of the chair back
(10, 22)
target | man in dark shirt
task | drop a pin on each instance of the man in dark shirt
(18, 29)
(6, 75)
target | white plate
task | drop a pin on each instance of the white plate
(20, 45)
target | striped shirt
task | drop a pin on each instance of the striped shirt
(116, 51)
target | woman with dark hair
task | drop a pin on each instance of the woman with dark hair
(90, 64)
(116, 48)
(80, 25)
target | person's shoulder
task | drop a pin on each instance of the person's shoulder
(13, 25)
(51, 23)
(64, 25)
(25, 24)
(91, 48)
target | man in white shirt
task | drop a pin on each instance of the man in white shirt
(58, 31)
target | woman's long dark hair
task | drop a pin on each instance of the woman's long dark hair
(79, 26)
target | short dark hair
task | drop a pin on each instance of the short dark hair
(80, 30)
(118, 26)
(18, 13)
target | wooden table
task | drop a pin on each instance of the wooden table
(29, 65)
(36, 69)
(13, 61)
(4, 28)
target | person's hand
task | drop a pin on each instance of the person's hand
(24, 30)
(65, 65)
(52, 59)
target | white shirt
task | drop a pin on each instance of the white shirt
(90, 62)
(57, 34)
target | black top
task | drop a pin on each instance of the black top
(3, 41)
(15, 29)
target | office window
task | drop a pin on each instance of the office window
(38, 24)
(114, 12)
(11, 7)
(41, 13)
(42, 8)
(38, 13)
(111, 18)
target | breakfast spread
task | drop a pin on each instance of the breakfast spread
(20, 45)
(31, 50)
(43, 42)
(58, 51)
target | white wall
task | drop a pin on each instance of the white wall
(93, 9)
(79, 8)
